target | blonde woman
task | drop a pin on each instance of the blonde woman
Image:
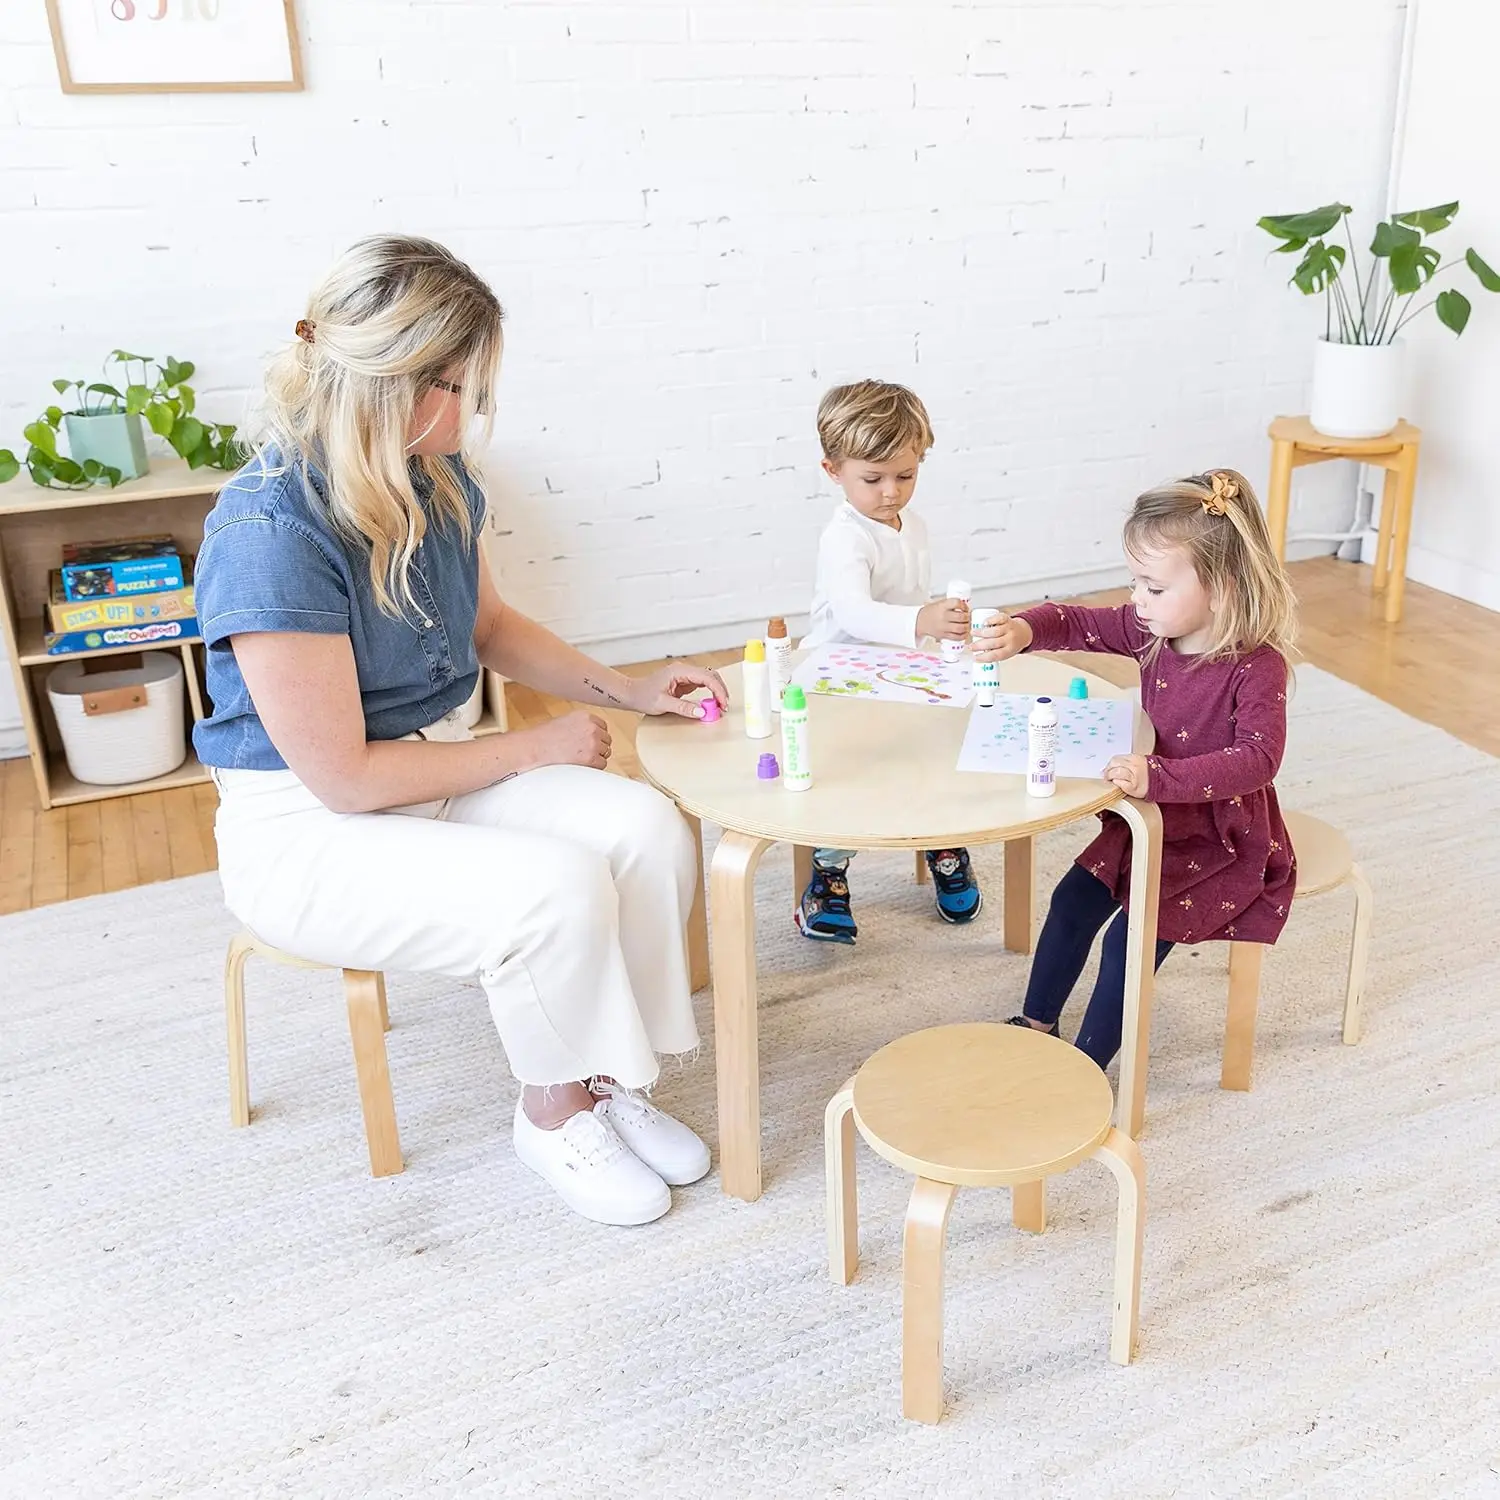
(347, 616)
(1212, 624)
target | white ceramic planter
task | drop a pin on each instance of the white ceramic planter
(1357, 389)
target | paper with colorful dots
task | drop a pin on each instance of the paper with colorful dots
(886, 674)
(1090, 733)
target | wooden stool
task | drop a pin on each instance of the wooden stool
(1324, 861)
(1295, 442)
(977, 1105)
(369, 1020)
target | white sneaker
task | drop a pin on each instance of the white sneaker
(676, 1154)
(591, 1170)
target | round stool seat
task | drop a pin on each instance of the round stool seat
(1324, 857)
(982, 1104)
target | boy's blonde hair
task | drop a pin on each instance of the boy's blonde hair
(871, 421)
(394, 315)
(1216, 519)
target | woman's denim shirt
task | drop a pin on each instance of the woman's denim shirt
(273, 560)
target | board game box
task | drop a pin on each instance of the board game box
(138, 565)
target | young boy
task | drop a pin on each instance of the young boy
(874, 583)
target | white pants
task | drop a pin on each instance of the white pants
(566, 892)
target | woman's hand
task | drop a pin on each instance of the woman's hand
(665, 690)
(944, 620)
(1001, 639)
(576, 739)
(1130, 773)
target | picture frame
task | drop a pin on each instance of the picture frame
(175, 46)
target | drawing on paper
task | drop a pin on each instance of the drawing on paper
(885, 674)
(1090, 733)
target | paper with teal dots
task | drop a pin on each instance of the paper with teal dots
(886, 674)
(1090, 733)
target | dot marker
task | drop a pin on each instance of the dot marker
(711, 711)
(766, 768)
(1078, 688)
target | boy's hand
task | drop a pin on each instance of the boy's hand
(944, 620)
(1001, 639)
(1130, 773)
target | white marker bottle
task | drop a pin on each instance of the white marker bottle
(953, 651)
(796, 751)
(1041, 749)
(779, 658)
(986, 673)
(757, 688)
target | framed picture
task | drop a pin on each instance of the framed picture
(174, 46)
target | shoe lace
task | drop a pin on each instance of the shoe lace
(591, 1139)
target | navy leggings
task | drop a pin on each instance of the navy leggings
(1081, 905)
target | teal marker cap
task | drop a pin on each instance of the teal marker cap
(1078, 688)
(793, 698)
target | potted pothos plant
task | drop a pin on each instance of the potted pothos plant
(1358, 362)
(103, 423)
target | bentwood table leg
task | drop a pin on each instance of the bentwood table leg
(736, 1023)
(1020, 895)
(1144, 819)
(697, 927)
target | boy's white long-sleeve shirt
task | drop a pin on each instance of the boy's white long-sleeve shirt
(872, 580)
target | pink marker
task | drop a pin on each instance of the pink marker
(711, 711)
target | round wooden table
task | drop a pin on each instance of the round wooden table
(886, 777)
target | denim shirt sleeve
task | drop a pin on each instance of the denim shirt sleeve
(259, 573)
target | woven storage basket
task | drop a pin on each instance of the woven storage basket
(121, 725)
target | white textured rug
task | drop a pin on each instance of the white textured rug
(190, 1310)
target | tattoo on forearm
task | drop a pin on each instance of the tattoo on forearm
(603, 692)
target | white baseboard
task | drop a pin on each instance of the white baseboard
(12, 741)
(1462, 579)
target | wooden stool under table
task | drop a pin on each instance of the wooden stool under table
(369, 1020)
(1295, 442)
(976, 1105)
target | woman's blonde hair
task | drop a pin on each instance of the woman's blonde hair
(394, 316)
(871, 421)
(1216, 519)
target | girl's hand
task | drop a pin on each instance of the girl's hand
(944, 620)
(1001, 639)
(665, 690)
(1130, 773)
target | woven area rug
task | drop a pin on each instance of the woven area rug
(193, 1310)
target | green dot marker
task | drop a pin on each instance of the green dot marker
(1078, 688)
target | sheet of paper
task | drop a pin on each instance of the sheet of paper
(1090, 733)
(886, 674)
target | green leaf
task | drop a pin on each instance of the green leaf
(186, 397)
(112, 475)
(92, 468)
(1488, 279)
(9, 466)
(160, 418)
(1390, 235)
(53, 416)
(39, 469)
(122, 355)
(137, 398)
(63, 385)
(1304, 226)
(67, 471)
(1411, 265)
(1429, 220)
(1319, 268)
(200, 455)
(186, 436)
(1453, 310)
(184, 371)
(41, 436)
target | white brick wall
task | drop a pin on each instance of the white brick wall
(700, 215)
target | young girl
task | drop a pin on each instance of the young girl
(1211, 622)
(347, 614)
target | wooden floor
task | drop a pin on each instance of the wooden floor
(1432, 665)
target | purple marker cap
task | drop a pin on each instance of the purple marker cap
(766, 768)
(711, 711)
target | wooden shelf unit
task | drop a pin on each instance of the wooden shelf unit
(172, 500)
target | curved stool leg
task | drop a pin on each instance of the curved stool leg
(1028, 1205)
(843, 1187)
(1239, 1022)
(1358, 954)
(240, 948)
(385, 1010)
(802, 871)
(1123, 1157)
(362, 994)
(922, 1299)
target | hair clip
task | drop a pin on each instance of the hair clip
(1223, 490)
(304, 329)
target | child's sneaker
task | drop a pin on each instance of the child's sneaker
(1022, 1021)
(957, 892)
(824, 910)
